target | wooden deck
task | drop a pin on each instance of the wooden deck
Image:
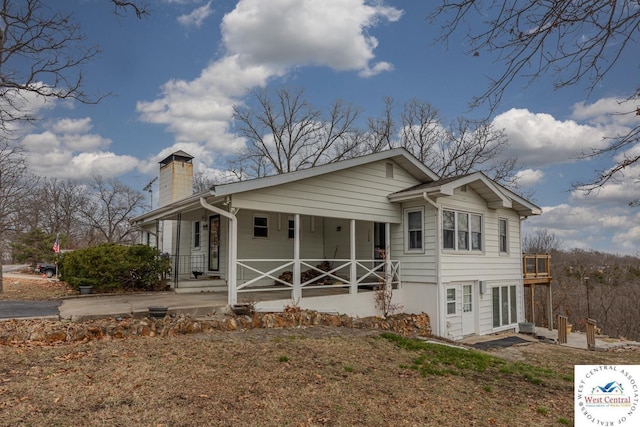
(536, 269)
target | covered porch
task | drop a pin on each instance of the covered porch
(277, 258)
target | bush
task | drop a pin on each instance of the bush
(112, 267)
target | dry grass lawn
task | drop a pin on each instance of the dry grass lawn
(295, 377)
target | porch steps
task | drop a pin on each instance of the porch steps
(200, 285)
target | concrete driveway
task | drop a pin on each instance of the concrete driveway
(98, 306)
(29, 309)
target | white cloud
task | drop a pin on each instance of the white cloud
(538, 139)
(621, 112)
(196, 17)
(292, 33)
(263, 40)
(529, 177)
(611, 229)
(73, 152)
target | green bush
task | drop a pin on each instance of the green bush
(112, 267)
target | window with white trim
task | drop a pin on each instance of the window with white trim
(451, 301)
(291, 228)
(503, 228)
(260, 226)
(415, 229)
(461, 231)
(196, 234)
(504, 305)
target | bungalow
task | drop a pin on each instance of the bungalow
(324, 238)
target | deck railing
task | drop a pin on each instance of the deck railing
(536, 266)
(277, 274)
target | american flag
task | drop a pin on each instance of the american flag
(56, 245)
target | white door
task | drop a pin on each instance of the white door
(468, 318)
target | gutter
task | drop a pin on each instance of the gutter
(439, 308)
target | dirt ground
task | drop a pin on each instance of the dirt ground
(317, 376)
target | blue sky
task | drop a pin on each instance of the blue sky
(175, 75)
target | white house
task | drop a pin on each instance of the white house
(324, 237)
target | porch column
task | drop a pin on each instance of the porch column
(388, 273)
(533, 303)
(353, 271)
(297, 289)
(549, 307)
(232, 274)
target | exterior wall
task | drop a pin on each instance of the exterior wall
(419, 267)
(488, 265)
(361, 304)
(357, 193)
(175, 182)
(419, 298)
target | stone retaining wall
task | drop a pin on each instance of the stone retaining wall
(43, 332)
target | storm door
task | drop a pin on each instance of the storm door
(214, 243)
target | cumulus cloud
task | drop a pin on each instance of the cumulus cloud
(585, 227)
(529, 177)
(73, 152)
(616, 111)
(539, 139)
(197, 17)
(262, 40)
(291, 33)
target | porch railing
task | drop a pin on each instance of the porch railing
(187, 264)
(277, 274)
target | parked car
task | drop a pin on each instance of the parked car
(48, 270)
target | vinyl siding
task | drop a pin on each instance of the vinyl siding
(355, 193)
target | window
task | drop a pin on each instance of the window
(504, 305)
(260, 226)
(448, 229)
(291, 227)
(414, 230)
(451, 301)
(196, 234)
(502, 235)
(467, 298)
(461, 231)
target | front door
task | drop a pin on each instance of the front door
(214, 243)
(468, 318)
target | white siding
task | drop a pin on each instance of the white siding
(488, 264)
(416, 267)
(356, 193)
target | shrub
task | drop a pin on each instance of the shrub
(110, 267)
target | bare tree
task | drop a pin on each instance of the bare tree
(463, 147)
(109, 206)
(540, 241)
(285, 133)
(41, 57)
(202, 182)
(576, 42)
(15, 182)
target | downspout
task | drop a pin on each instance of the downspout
(233, 249)
(439, 310)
